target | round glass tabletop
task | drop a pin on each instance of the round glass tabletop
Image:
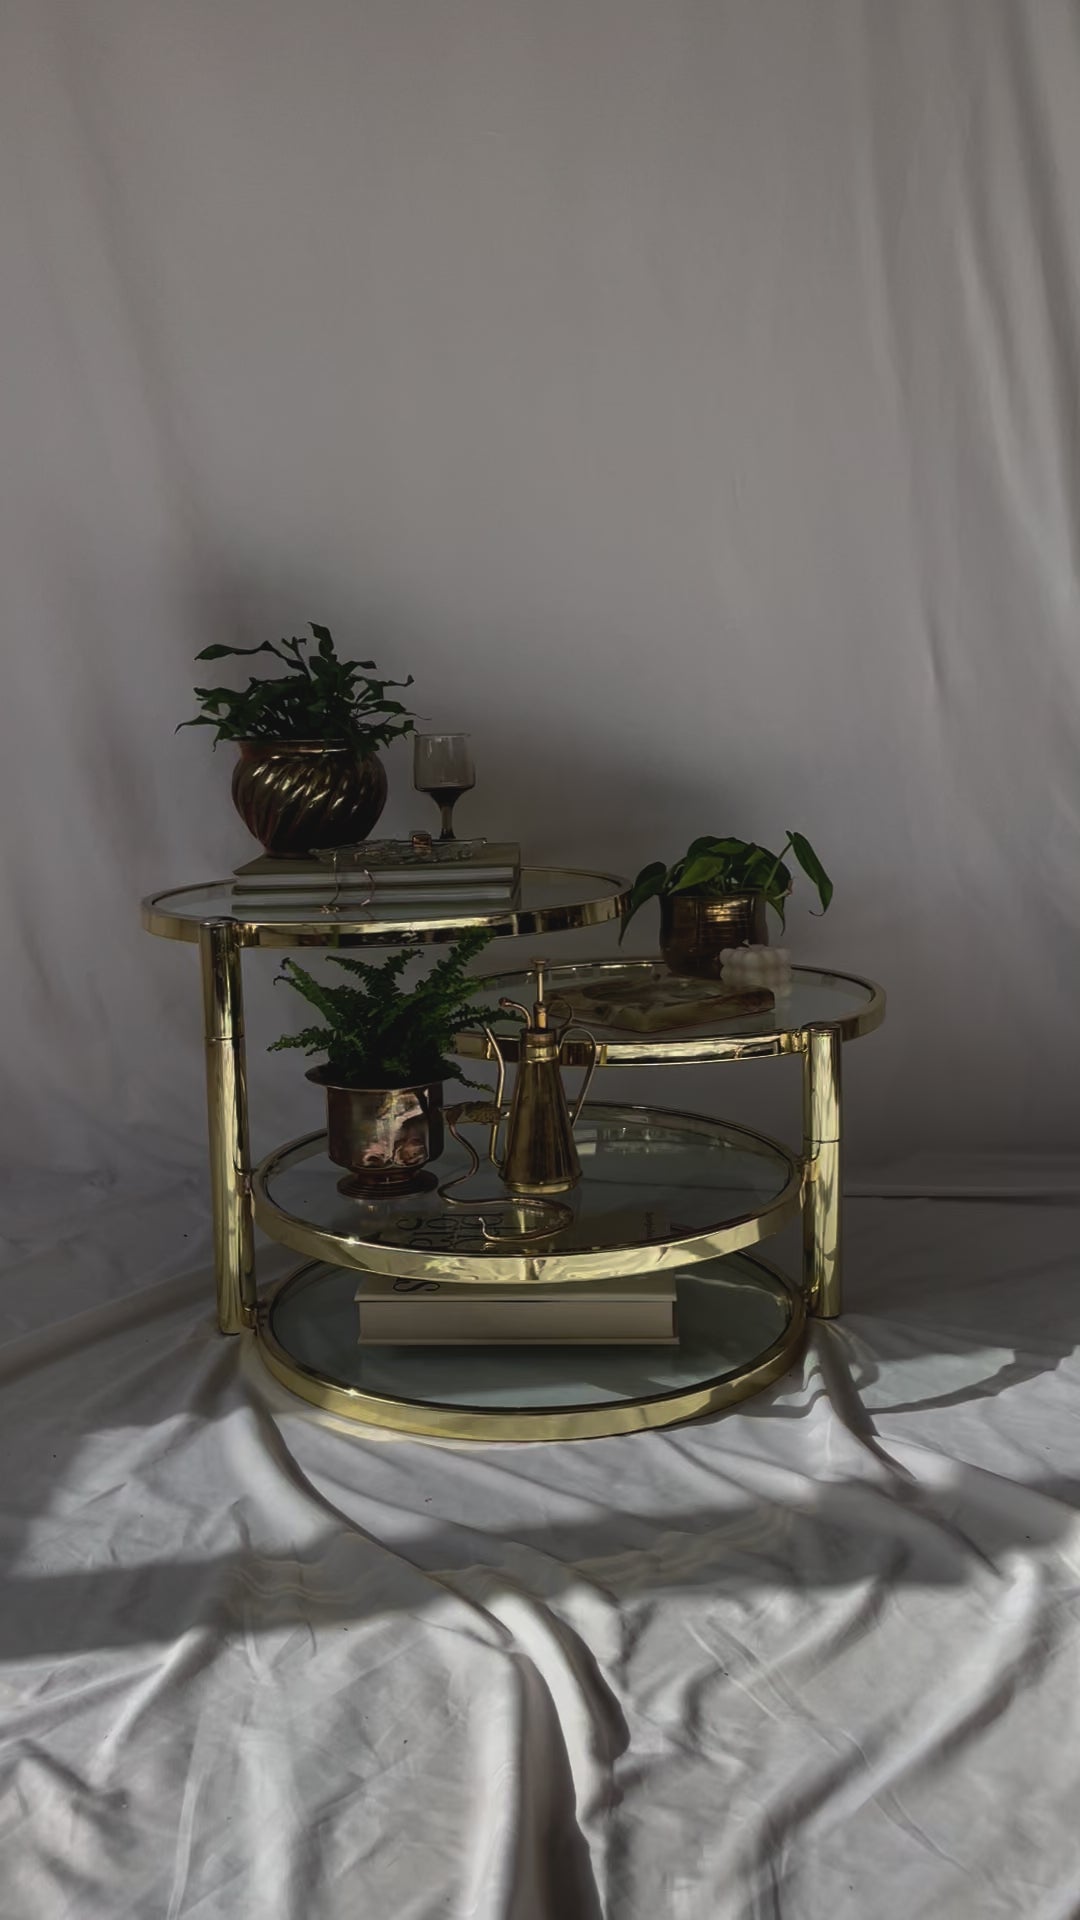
(740, 1325)
(658, 1190)
(549, 900)
(615, 999)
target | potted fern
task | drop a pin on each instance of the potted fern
(386, 1060)
(716, 897)
(308, 774)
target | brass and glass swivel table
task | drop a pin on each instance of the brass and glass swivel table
(661, 1191)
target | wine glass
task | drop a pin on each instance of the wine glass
(443, 767)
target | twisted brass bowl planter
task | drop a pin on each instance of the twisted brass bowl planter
(295, 795)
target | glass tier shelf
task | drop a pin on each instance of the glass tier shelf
(741, 1325)
(549, 900)
(658, 1190)
(815, 999)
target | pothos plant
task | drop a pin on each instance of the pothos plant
(319, 697)
(377, 1033)
(713, 867)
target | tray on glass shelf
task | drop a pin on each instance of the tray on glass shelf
(656, 1001)
(814, 997)
(658, 1190)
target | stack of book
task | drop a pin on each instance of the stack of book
(443, 1313)
(386, 873)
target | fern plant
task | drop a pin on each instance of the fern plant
(376, 1033)
(318, 698)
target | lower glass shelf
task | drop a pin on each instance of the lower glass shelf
(658, 1190)
(741, 1325)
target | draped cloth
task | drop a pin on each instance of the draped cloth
(816, 1658)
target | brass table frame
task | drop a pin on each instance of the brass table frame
(221, 943)
(222, 940)
(819, 1045)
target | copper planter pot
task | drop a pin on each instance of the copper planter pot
(384, 1135)
(296, 795)
(694, 929)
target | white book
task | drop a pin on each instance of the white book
(497, 863)
(634, 1312)
(464, 880)
(273, 898)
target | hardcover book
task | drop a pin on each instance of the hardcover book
(640, 1311)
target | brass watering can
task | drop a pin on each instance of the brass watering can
(539, 1156)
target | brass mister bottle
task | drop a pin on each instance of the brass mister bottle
(540, 1156)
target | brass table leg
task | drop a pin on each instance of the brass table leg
(226, 1101)
(821, 1150)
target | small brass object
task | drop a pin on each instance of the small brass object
(540, 1156)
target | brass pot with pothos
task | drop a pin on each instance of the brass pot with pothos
(715, 897)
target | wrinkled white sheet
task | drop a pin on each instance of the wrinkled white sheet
(819, 1659)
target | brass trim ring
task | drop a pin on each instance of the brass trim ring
(655, 1049)
(160, 918)
(522, 1269)
(572, 1422)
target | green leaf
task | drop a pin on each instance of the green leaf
(310, 1040)
(759, 869)
(219, 652)
(777, 884)
(649, 883)
(715, 865)
(318, 697)
(812, 867)
(702, 872)
(734, 847)
(379, 1033)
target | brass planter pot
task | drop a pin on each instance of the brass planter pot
(295, 795)
(694, 929)
(384, 1135)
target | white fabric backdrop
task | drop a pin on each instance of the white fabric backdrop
(687, 393)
